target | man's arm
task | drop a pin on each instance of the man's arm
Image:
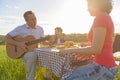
(9, 39)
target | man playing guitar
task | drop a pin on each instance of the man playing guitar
(18, 38)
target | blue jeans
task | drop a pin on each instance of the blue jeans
(93, 71)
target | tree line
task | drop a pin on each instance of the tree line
(68, 37)
(76, 37)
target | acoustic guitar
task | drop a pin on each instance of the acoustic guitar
(16, 52)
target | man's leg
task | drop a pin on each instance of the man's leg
(30, 59)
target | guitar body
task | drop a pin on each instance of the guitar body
(15, 52)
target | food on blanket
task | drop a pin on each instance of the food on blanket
(66, 44)
(83, 44)
(69, 44)
(60, 46)
(117, 55)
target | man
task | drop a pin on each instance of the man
(58, 38)
(30, 28)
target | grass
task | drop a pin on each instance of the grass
(13, 69)
(9, 68)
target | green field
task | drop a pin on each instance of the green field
(13, 69)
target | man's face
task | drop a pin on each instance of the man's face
(31, 20)
(58, 32)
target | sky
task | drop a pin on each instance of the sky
(71, 15)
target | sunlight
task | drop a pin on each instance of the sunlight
(74, 16)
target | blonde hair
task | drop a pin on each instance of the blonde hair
(103, 5)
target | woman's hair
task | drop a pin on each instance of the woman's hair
(59, 29)
(27, 13)
(103, 5)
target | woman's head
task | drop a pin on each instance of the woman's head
(58, 31)
(96, 6)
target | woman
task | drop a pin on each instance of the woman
(58, 38)
(103, 66)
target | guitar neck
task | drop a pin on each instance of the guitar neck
(35, 41)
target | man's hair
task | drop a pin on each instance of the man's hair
(59, 29)
(27, 13)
